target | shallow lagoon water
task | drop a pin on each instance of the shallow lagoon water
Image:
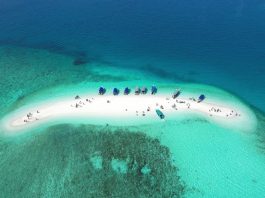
(209, 158)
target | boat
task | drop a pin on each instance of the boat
(176, 93)
(160, 114)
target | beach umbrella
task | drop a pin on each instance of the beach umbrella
(77, 97)
(116, 91)
(201, 97)
(101, 90)
(153, 90)
(127, 91)
(137, 90)
(144, 90)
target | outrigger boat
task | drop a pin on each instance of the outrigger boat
(160, 114)
(176, 93)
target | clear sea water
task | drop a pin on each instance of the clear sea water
(46, 47)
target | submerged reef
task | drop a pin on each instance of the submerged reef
(164, 74)
(88, 161)
(80, 60)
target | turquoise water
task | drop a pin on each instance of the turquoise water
(54, 49)
(203, 159)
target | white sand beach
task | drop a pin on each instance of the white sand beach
(125, 110)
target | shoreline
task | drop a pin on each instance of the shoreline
(120, 110)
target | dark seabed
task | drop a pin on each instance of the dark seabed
(88, 161)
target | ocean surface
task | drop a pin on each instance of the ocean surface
(50, 48)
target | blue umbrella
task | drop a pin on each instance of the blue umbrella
(153, 90)
(127, 91)
(101, 90)
(201, 98)
(116, 91)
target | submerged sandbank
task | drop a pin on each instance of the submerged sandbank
(126, 110)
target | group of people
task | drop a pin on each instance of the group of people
(81, 103)
(30, 117)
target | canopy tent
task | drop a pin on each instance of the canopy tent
(101, 91)
(144, 90)
(116, 91)
(137, 90)
(153, 90)
(127, 91)
(201, 98)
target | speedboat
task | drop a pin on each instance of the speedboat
(160, 114)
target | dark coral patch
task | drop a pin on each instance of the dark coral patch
(80, 61)
(68, 161)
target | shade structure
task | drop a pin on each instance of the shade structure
(116, 91)
(144, 90)
(127, 91)
(201, 98)
(153, 90)
(101, 90)
(137, 90)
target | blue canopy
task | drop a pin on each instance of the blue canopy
(127, 91)
(201, 97)
(101, 90)
(153, 90)
(116, 91)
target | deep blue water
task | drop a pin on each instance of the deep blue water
(215, 42)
